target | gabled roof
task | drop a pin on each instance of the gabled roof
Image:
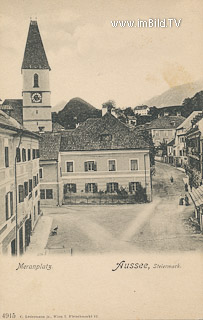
(34, 56)
(14, 108)
(187, 122)
(167, 122)
(49, 145)
(106, 133)
(57, 127)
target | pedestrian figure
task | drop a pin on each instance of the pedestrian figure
(186, 200)
(181, 201)
(186, 187)
(171, 178)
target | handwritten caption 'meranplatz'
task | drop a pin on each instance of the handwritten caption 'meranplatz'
(148, 23)
(144, 265)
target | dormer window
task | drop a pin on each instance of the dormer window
(106, 137)
(36, 80)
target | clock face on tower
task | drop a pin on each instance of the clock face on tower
(36, 97)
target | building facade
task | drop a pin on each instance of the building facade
(104, 155)
(19, 185)
(163, 129)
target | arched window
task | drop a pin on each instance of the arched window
(36, 80)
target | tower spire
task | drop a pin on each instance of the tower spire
(34, 55)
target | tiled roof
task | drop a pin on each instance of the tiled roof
(49, 145)
(167, 122)
(106, 133)
(34, 56)
(14, 108)
(141, 108)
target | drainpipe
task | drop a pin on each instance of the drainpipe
(16, 196)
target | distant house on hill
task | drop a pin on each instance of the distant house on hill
(142, 110)
(171, 111)
(163, 129)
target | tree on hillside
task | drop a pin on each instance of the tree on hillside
(153, 112)
(128, 111)
(110, 105)
(193, 104)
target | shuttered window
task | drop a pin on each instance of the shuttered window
(6, 157)
(90, 166)
(112, 187)
(91, 187)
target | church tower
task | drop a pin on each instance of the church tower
(36, 90)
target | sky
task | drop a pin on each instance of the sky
(96, 62)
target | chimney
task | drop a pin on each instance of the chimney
(41, 129)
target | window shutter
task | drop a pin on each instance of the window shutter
(116, 186)
(130, 187)
(74, 188)
(11, 202)
(107, 187)
(95, 166)
(94, 188)
(86, 169)
(6, 205)
(86, 187)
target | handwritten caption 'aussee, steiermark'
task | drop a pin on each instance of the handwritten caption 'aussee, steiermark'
(144, 265)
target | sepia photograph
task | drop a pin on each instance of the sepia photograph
(101, 159)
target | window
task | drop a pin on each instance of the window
(134, 165)
(49, 194)
(37, 179)
(112, 187)
(46, 194)
(38, 204)
(34, 181)
(91, 187)
(42, 194)
(33, 154)
(69, 166)
(60, 172)
(23, 155)
(36, 194)
(6, 157)
(28, 154)
(9, 205)
(36, 80)
(133, 186)
(90, 166)
(30, 185)
(26, 188)
(70, 187)
(40, 173)
(37, 153)
(20, 193)
(18, 157)
(112, 165)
